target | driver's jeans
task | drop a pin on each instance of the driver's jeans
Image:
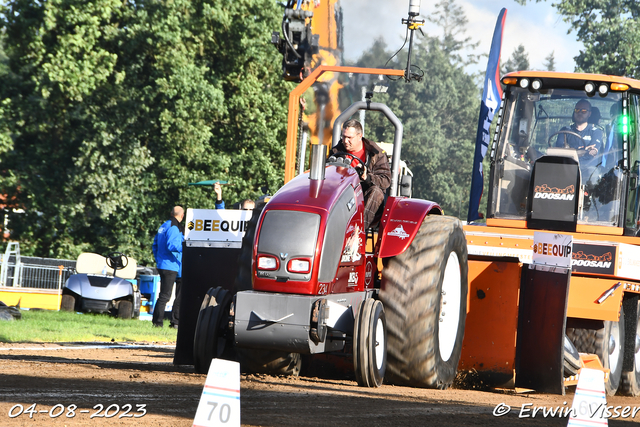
(373, 198)
(167, 278)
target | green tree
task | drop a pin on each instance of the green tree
(439, 116)
(610, 32)
(6, 143)
(451, 19)
(519, 60)
(113, 107)
(550, 62)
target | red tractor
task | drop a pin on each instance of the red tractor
(313, 280)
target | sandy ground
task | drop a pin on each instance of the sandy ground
(96, 379)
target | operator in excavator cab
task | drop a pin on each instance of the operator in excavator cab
(372, 165)
(582, 135)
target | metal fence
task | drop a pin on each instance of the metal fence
(34, 272)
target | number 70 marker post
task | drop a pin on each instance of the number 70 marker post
(220, 400)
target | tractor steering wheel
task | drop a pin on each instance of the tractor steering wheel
(117, 260)
(351, 158)
(568, 132)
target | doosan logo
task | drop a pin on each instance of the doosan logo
(553, 193)
(594, 264)
(550, 196)
(581, 259)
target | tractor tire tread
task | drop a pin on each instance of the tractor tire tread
(411, 300)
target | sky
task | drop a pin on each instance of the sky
(537, 26)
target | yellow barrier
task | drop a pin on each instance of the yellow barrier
(48, 299)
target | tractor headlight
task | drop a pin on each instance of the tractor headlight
(266, 262)
(299, 266)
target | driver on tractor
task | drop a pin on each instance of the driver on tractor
(372, 165)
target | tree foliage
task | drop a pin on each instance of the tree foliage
(111, 108)
(550, 62)
(439, 117)
(610, 32)
(519, 60)
(451, 19)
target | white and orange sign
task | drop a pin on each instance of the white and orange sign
(553, 250)
(216, 225)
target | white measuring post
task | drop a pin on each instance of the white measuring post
(220, 400)
(590, 401)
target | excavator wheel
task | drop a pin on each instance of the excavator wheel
(607, 343)
(630, 382)
(211, 340)
(369, 344)
(571, 358)
(424, 292)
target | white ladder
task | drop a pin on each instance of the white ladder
(13, 248)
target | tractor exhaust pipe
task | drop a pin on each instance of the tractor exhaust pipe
(318, 159)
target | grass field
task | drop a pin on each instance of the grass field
(61, 326)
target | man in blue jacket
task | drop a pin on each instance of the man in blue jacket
(167, 251)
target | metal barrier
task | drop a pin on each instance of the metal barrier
(43, 277)
(33, 272)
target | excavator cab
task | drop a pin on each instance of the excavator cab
(540, 178)
(565, 161)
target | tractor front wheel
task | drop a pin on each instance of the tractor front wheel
(424, 292)
(370, 344)
(210, 340)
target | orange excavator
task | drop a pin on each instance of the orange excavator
(312, 36)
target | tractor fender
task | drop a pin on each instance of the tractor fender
(400, 223)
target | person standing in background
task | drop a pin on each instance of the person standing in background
(167, 251)
(217, 188)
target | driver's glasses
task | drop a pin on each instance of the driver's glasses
(581, 110)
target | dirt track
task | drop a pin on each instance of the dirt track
(50, 375)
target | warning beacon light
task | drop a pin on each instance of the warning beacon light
(414, 7)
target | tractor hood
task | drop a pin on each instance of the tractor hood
(303, 230)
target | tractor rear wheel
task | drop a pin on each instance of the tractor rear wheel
(630, 382)
(607, 343)
(125, 309)
(256, 361)
(370, 344)
(424, 292)
(210, 340)
(68, 303)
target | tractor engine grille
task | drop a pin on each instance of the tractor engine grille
(288, 235)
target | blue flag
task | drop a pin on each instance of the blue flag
(491, 99)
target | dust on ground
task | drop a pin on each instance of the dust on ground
(99, 378)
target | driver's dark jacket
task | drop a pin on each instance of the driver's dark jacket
(167, 246)
(378, 171)
(591, 135)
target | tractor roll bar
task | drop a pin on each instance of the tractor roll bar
(397, 139)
